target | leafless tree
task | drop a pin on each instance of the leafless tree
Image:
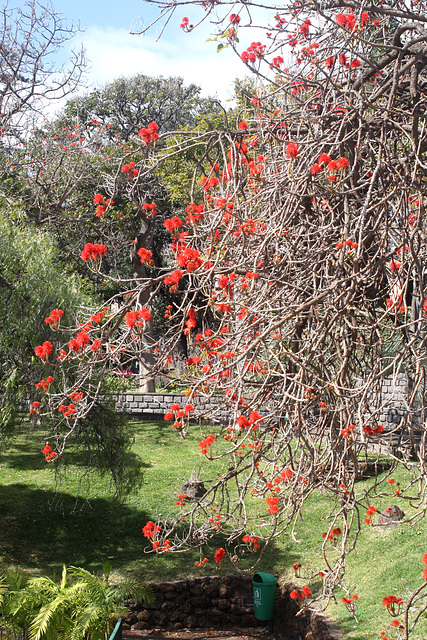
(32, 38)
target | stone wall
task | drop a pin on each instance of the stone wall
(223, 602)
(404, 426)
(214, 409)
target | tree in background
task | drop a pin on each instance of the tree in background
(30, 36)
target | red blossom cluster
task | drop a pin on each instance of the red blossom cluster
(35, 407)
(54, 318)
(173, 224)
(292, 150)
(43, 385)
(393, 604)
(76, 396)
(202, 563)
(347, 432)
(369, 512)
(79, 342)
(333, 534)
(207, 443)
(330, 166)
(130, 169)
(176, 414)
(347, 243)
(145, 255)
(424, 559)
(272, 504)
(373, 431)
(297, 595)
(254, 52)
(137, 318)
(251, 422)
(48, 453)
(252, 542)
(150, 134)
(93, 251)
(185, 24)
(219, 555)
(349, 20)
(150, 208)
(67, 411)
(44, 350)
(350, 602)
(98, 199)
(195, 213)
(151, 529)
(173, 279)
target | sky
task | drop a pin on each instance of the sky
(113, 52)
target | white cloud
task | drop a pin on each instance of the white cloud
(114, 53)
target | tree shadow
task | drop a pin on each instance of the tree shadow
(42, 530)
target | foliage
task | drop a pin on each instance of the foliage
(31, 285)
(84, 607)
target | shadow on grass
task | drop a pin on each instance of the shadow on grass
(42, 529)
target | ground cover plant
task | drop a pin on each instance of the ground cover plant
(48, 521)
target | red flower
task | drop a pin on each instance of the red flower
(149, 134)
(139, 317)
(43, 350)
(172, 224)
(316, 168)
(306, 593)
(324, 158)
(329, 63)
(343, 163)
(219, 555)
(364, 19)
(98, 198)
(234, 18)
(294, 595)
(145, 255)
(243, 126)
(93, 251)
(150, 529)
(292, 150)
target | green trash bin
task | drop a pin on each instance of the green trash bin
(264, 587)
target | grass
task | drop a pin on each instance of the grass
(48, 520)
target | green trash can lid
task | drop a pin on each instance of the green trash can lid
(265, 578)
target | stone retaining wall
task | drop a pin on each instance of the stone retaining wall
(214, 409)
(222, 602)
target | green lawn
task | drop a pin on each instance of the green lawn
(47, 520)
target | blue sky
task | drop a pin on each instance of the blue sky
(114, 52)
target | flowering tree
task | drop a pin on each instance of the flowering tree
(298, 268)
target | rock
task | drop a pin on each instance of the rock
(143, 616)
(194, 489)
(391, 515)
(139, 626)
